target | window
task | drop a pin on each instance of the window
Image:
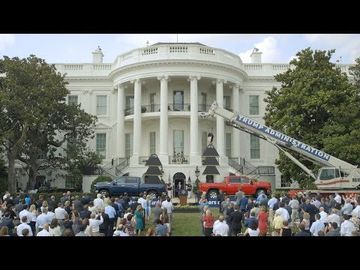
(235, 180)
(227, 102)
(254, 147)
(73, 100)
(101, 144)
(128, 145)
(178, 142)
(204, 141)
(253, 105)
(202, 105)
(178, 100)
(152, 102)
(152, 143)
(327, 174)
(129, 105)
(228, 144)
(245, 180)
(101, 105)
(120, 180)
(132, 180)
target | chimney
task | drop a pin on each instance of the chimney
(256, 56)
(98, 56)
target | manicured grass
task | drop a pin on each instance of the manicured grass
(185, 224)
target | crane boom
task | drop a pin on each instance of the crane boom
(279, 138)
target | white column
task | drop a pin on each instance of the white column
(220, 126)
(163, 153)
(137, 123)
(235, 134)
(120, 141)
(194, 121)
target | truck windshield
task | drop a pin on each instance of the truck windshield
(327, 174)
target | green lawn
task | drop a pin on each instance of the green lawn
(186, 224)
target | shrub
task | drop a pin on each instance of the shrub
(101, 178)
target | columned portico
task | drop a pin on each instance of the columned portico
(194, 121)
(163, 153)
(120, 122)
(137, 123)
(235, 134)
(220, 126)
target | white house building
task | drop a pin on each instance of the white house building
(149, 99)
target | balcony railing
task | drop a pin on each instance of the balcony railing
(172, 107)
(178, 107)
(179, 158)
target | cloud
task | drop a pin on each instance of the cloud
(268, 47)
(347, 46)
(6, 40)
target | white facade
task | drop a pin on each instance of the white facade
(168, 83)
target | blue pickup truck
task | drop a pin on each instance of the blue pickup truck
(133, 186)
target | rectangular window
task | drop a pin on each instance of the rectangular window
(129, 105)
(254, 147)
(152, 143)
(227, 102)
(178, 142)
(228, 144)
(204, 141)
(128, 145)
(101, 144)
(101, 105)
(152, 102)
(202, 105)
(253, 105)
(73, 100)
(178, 100)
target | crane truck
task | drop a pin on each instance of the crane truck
(335, 175)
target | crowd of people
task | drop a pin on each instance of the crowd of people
(302, 214)
(32, 215)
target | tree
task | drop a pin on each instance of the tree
(312, 105)
(35, 119)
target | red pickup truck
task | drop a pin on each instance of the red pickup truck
(232, 184)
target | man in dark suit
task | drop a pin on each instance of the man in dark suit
(235, 221)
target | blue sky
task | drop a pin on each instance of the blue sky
(77, 48)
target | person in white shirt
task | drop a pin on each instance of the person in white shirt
(44, 231)
(26, 213)
(142, 201)
(337, 198)
(334, 217)
(55, 229)
(347, 227)
(51, 215)
(42, 219)
(23, 226)
(220, 228)
(169, 208)
(347, 208)
(317, 226)
(323, 215)
(283, 212)
(120, 231)
(98, 202)
(94, 222)
(60, 212)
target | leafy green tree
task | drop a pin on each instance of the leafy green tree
(35, 119)
(317, 105)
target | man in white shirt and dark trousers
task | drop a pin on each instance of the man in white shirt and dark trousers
(317, 226)
(169, 208)
(23, 226)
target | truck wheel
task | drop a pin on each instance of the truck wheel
(213, 194)
(104, 192)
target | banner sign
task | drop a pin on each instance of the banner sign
(282, 137)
